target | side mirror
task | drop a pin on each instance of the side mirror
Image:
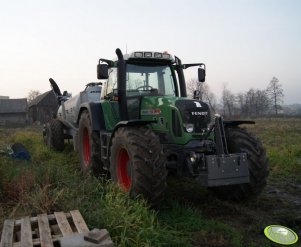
(201, 74)
(102, 71)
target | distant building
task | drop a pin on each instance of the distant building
(42, 108)
(4, 97)
(13, 112)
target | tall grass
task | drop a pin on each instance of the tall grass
(282, 139)
(51, 181)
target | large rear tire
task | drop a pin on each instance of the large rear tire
(137, 163)
(89, 146)
(241, 141)
(54, 134)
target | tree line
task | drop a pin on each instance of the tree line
(252, 103)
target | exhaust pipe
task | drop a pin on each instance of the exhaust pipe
(121, 86)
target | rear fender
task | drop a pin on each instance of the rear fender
(95, 113)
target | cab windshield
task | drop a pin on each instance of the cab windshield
(149, 80)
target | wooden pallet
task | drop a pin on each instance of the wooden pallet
(43, 230)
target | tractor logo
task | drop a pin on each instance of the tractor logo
(199, 113)
(197, 104)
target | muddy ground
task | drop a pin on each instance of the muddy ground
(279, 203)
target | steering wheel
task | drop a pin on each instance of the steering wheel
(144, 88)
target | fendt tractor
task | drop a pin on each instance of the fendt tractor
(138, 125)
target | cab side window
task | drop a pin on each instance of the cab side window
(112, 81)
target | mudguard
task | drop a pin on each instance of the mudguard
(136, 122)
(237, 122)
(129, 123)
(95, 113)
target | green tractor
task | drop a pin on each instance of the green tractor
(139, 126)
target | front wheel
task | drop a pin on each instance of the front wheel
(137, 163)
(241, 141)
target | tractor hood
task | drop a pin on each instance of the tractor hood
(178, 116)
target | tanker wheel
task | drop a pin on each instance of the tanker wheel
(54, 134)
(89, 147)
(241, 141)
(137, 163)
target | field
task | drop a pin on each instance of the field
(190, 216)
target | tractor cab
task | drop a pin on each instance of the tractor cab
(149, 76)
(144, 73)
(141, 81)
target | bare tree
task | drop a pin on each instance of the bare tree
(228, 101)
(254, 102)
(275, 92)
(209, 97)
(32, 95)
(262, 102)
(191, 86)
(205, 93)
(241, 103)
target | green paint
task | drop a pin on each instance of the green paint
(160, 108)
(110, 114)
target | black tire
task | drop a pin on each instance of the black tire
(137, 163)
(89, 146)
(241, 141)
(54, 134)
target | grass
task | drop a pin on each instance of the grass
(51, 181)
(281, 137)
(191, 216)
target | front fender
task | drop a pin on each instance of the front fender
(129, 123)
(235, 123)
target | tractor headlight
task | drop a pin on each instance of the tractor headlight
(193, 157)
(189, 127)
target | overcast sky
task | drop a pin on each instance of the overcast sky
(243, 43)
